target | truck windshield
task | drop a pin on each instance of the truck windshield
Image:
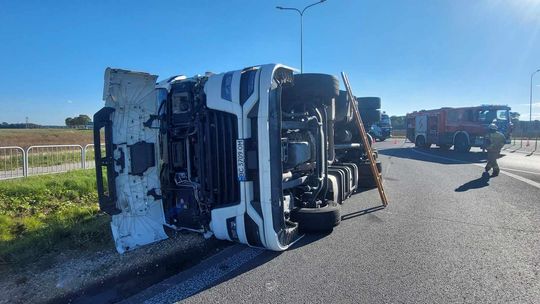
(502, 115)
(488, 116)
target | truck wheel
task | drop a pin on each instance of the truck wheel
(364, 169)
(461, 144)
(368, 103)
(370, 117)
(317, 219)
(315, 85)
(343, 108)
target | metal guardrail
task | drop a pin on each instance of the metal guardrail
(89, 156)
(17, 162)
(53, 159)
(12, 162)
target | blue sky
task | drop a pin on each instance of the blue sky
(414, 54)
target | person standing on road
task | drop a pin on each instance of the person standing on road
(495, 141)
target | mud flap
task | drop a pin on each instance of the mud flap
(138, 218)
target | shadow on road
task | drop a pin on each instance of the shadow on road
(419, 154)
(478, 183)
(361, 212)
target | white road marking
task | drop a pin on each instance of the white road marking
(520, 178)
(206, 278)
(522, 171)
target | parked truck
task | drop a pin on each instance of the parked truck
(382, 129)
(250, 156)
(462, 128)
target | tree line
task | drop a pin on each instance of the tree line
(20, 125)
(81, 120)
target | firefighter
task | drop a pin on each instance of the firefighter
(495, 141)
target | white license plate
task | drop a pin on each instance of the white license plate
(240, 160)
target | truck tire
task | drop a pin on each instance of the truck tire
(461, 143)
(364, 169)
(315, 85)
(370, 116)
(317, 219)
(343, 108)
(369, 103)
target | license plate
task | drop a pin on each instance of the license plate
(240, 160)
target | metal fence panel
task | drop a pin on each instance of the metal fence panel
(12, 162)
(89, 156)
(53, 159)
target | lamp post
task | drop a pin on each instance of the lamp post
(301, 12)
(531, 98)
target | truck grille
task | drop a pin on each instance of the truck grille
(221, 181)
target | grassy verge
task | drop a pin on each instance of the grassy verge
(44, 214)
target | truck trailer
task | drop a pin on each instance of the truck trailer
(249, 155)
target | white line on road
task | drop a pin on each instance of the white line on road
(522, 171)
(206, 278)
(520, 178)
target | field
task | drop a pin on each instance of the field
(28, 137)
(40, 215)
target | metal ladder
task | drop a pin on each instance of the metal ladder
(363, 135)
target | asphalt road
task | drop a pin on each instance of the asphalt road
(448, 236)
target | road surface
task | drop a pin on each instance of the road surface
(447, 236)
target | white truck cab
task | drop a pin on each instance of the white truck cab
(248, 155)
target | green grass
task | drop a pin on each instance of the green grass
(51, 213)
(11, 162)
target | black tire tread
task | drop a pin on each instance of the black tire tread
(368, 103)
(317, 219)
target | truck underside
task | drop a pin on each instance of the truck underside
(252, 156)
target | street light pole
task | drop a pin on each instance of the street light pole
(301, 13)
(531, 98)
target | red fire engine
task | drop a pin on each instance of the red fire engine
(462, 128)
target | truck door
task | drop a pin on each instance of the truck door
(420, 126)
(433, 129)
(133, 192)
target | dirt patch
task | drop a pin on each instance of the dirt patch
(103, 276)
(28, 137)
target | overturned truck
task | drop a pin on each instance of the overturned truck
(251, 156)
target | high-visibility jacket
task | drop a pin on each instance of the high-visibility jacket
(496, 141)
